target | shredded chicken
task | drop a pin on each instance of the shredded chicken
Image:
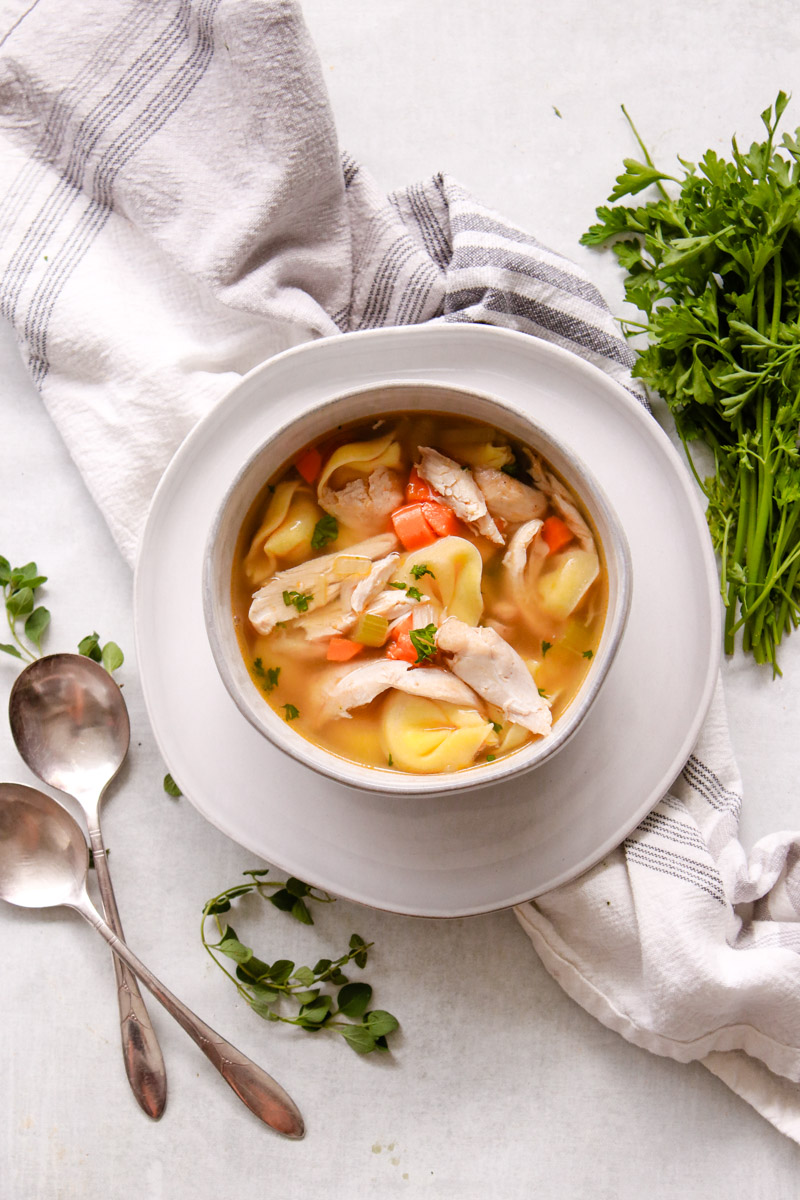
(507, 498)
(497, 673)
(368, 588)
(365, 504)
(516, 556)
(561, 500)
(314, 580)
(459, 491)
(363, 684)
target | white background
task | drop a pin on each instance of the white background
(499, 1085)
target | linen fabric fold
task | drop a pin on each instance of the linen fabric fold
(174, 209)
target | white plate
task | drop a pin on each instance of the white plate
(464, 852)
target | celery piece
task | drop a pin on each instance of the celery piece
(370, 630)
(352, 564)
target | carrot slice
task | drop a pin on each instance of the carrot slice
(556, 534)
(400, 644)
(401, 627)
(402, 648)
(411, 527)
(417, 489)
(342, 649)
(442, 520)
(309, 464)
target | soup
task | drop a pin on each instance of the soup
(420, 593)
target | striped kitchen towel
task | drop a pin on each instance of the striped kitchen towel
(174, 208)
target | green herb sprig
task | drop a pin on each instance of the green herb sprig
(19, 588)
(424, 641)
(20, 585)
(326, 530)
(713, 263)
(268, 987)
(268, 676)
(109, 654)
(299, 600)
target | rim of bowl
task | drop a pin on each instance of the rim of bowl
(218, 615)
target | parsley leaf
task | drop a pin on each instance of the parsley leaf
(420, 569)
(414, 593)
(291, 713)
(326, 530)
(268, 676)
(424, 641)
(298, 599)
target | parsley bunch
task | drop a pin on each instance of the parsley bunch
(713, 263)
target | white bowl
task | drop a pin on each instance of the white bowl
(316, 421)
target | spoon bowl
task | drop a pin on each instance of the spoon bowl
(70, 723)
(43, 863)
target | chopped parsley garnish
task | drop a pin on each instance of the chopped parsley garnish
(326, 530)
(542, 693)
(496, 726)
(420, 569)
(298, 599)
(401, 587)
(268, 676)
(424, 641)
(414, 593)
(545, 645)
(291, 712)
(511, 468)
(390, 761)
(588, 654)
(490, 757)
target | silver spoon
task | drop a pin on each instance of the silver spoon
(70, 724)
(43, 863)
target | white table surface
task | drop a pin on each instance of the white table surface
(499, 1086)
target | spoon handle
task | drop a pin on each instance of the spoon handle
(254, 1087)
(144, 1062)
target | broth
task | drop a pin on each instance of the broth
(420, 593)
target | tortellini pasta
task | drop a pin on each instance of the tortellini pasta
(360, 484)
(455, 584)
(358, 459)
(509, 736)
(427, 736)
(564, 583)
(477, 446)
(285, 531)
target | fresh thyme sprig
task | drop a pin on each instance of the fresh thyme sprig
(268, 987)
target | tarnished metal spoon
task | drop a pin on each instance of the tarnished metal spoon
(70, 724)
(43, 864)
